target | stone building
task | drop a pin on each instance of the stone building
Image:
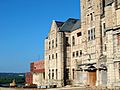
(86, 51)
(38, 73)
(58, 52)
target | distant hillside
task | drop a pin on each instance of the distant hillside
(8, 77)
(12, 74)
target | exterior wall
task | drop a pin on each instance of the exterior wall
(38, 72)
(39, 78)
(54, 64)
(28, 78)
(37, 66)
(112, 52)
(76, 54)
(96, 46)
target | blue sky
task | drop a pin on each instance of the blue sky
(24, 24)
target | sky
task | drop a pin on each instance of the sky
(24, 24)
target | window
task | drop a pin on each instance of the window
(52, 73)
(52, 43)
(43, 75)
(49, 74)
(91, 16)
(91, 34)
(67, 73)
(56, 55)
(80, 52)
(49, 44)
(73, 54)
(76, 53)
(118, 38)
(79, 34)
(56, 73)
(73, 40)
(49, 57)
(67, 43)
(88, 35)
(73, 70)
(92, 37)
(94, 32)
(52, 56)
(56, 42)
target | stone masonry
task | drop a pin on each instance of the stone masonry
(87, 51)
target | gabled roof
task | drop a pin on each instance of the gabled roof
(59, 24)
(70, 25)
(77, 25)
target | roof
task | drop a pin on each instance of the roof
(77, 25)
(59, 24)
(70, 25)
(108, 2)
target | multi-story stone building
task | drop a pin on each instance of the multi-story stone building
(58, 52)
(86, 51)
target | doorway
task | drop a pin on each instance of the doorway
(92, 78)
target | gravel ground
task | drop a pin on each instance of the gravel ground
(63, 88)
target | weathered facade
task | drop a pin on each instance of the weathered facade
(28, 78)
(58, 52)
(38, 72)
(85, 52)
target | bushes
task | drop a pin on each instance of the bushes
(9, 79)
